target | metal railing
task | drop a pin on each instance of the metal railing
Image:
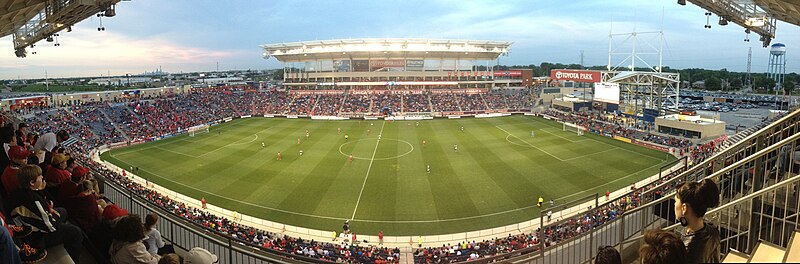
(762, 160)
(186, 234)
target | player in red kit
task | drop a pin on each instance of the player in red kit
(351, 158)
(279, 155)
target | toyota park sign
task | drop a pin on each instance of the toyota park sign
(575, 75)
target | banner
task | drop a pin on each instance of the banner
(315, 92)
(623, 139)
(366, 92)
(651, 146)
(415, 65)
(387, 65)
(407, 91)
(508, 73)
(460, 91)
(575, 75)
(360, 65)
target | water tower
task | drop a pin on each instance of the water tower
(777, 64)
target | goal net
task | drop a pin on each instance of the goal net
(198, 130)
(573, 128)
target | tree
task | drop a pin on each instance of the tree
(713, 83)
(763, 82)
(277, 75)
(789, 86)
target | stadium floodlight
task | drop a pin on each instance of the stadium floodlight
(20, 53)
(723, 21)
(110, 12)
(682, 2)
(755, 21)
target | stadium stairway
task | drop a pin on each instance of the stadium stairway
(735, 257)
(766, 252)
(115, 124)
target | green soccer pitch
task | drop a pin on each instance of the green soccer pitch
(492, 180)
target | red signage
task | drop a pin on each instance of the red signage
(316, 92)
(575, 75)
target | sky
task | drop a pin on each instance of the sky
(188, 36)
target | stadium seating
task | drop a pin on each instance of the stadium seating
(143, 119)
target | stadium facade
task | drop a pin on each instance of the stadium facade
(395, 64)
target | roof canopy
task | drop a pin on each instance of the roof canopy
(386, 48)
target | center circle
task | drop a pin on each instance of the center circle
(376, 158)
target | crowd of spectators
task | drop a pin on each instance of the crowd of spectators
(171, 113)
(79, 189)
(328, 105)
(445, 102)
(416, 103)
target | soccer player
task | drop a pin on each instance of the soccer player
(455, 147)
(298, 141)
(346, 137)
(532, 134)
(369, 131)
(428, 169)
(262, 145)
(301, 153)
(279, 155)
(203, 201)
(462, 128)
(339, 131)
(424, 143)
(351, 158)
(417, 123)
(307, 134)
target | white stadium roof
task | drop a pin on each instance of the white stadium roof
(387, 48)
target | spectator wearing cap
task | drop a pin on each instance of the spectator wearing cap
(57, 172)
(19, 157)
(113, 212)
(48, 142)
(48, 225)
(199, 256)
(127, 246)
(70, 188)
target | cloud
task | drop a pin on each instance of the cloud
(82, 52)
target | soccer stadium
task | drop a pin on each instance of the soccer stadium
(399, 150)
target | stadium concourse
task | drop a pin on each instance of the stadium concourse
(142, 119)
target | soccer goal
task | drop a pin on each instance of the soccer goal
(198, 130)
(574, 128)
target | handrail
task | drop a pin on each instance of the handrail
(229, 243)
(741, 142)
(726, 169)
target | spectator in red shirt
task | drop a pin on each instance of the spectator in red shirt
(57, 172)
(19, 157)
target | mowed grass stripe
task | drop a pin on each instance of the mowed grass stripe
(491, 182)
